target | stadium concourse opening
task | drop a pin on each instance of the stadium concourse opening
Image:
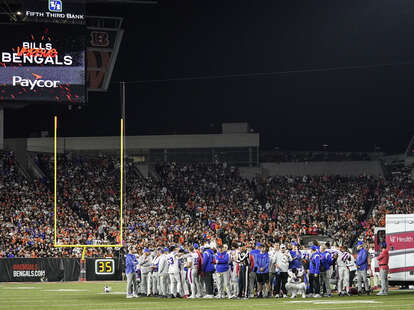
(85, 246)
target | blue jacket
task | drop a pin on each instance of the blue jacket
(254, 253)
(326, 259)
(262, 261)
(131, 262)
(208, 265)
(296, 260)
(222, 261)
(362, 259)
(314, 263)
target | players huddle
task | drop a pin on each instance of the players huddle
(246, 271)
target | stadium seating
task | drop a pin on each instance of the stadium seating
(184, 203)
(26, 217)
(393, 196)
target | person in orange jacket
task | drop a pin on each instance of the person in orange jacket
(383, 259)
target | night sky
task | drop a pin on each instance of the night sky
(350, 109)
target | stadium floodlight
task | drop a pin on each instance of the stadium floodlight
(85, 246)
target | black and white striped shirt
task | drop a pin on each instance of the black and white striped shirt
(243, 258)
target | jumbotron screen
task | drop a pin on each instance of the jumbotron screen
(43, 63)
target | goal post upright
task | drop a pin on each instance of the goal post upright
(122, 181)
(123, 173)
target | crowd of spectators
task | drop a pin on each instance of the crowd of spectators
(184, 203)
(90, 187)
(220, 204)
(26, 217)
(392, 196)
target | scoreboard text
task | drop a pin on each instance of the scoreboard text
(43, 63)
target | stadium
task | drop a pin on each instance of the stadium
(182, 154)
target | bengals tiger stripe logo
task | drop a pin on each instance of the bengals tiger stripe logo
(99, 39)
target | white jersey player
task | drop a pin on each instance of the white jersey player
(374, 266)
(145, 263)
(352, 267)
(163, 273)
(194, 269)
(233, 275)
(185, 281)
(342, 262)
(154, 283)
(295, 284)
(306, 254)
(174, 271)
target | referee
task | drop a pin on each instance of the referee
(242, 267)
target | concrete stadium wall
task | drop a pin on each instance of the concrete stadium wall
(144, 142)
(250, 172)
(346, 168)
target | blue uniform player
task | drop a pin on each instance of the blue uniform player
(362, 267)
(131, 265)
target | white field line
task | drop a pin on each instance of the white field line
(20, 288)
(35, 299)
(365, 306)
(245, 306)
(165, 306)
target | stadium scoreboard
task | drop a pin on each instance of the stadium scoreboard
(43, 57)
(104, 266)
(43, 62)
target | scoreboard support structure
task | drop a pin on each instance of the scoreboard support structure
(85, 246)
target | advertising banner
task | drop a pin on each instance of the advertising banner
(43, 63)
(59, 269)
(54, 11)
(38, 269)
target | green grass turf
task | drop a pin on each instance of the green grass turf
(89, 296)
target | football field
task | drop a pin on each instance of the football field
(90, 296)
